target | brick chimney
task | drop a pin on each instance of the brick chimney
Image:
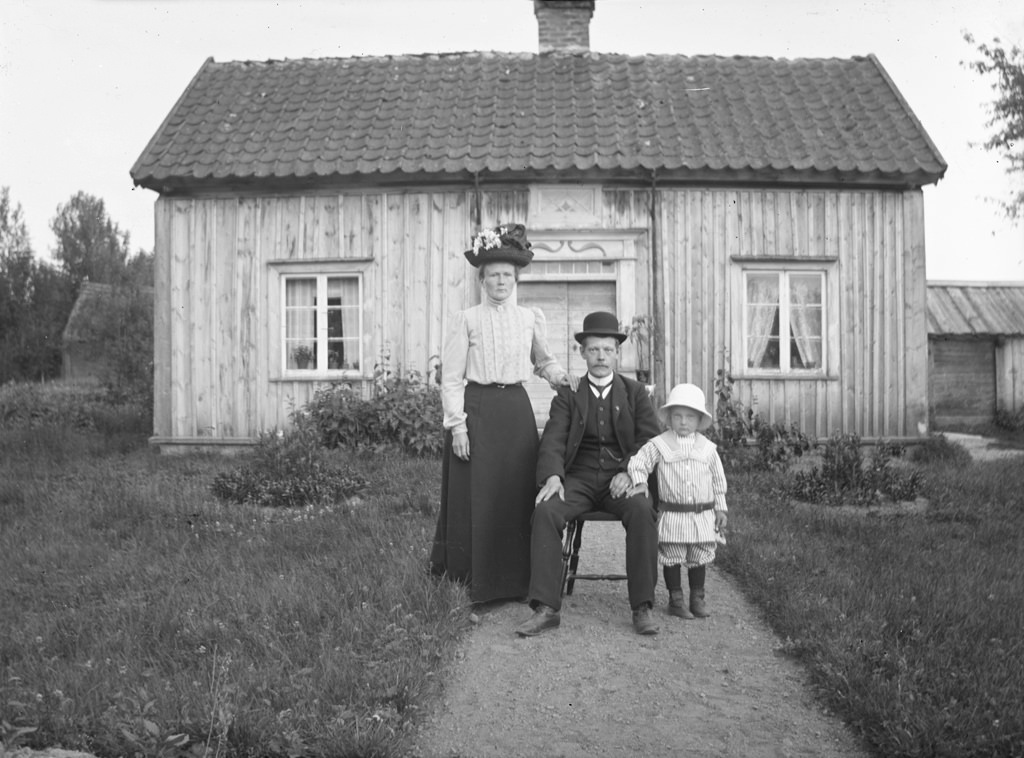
(564, 24)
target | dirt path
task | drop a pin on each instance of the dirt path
(717, 687)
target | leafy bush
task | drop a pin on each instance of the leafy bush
(844, 477)
(938, 449)
(405, 413)
(778, 445)
(28, 405)
(1010, 420)
(736, 425)
(289, 470)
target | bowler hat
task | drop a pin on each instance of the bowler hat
(502, 244)
(600, 324)
(687, 396)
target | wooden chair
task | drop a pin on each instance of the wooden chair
(571, 542)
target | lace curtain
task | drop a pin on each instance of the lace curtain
(762, 309)
(805, 318)
(300, 323)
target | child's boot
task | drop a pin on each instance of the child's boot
(696, 580)
(676, 596)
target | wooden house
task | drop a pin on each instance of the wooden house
(975, 352)
(762, 215)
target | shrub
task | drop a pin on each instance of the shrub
(736, 424)
(778, 445)
(405, 413)
(1010, 420)
(845, 478)
(938, 449)
(288, 470)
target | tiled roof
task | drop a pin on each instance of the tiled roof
(460, 113)
(959, 308)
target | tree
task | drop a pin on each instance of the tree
(35, 300)
(89, 245)
(1007, 110)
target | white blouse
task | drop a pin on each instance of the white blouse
(493, 343)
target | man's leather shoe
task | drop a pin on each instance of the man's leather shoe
(543, 618)
(642, 621)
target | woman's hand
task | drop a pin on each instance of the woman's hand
(571, 381)
(460, 445)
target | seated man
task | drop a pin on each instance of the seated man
(588, 440)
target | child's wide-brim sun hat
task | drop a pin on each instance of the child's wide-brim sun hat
(687, 396)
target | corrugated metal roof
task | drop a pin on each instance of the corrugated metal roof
(960, 308)
(318, 119)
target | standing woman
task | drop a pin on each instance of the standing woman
(490, 455)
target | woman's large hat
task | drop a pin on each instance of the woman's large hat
(687, 396)
(600, 324)
(502, 244)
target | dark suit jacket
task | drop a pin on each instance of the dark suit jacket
(632, 415)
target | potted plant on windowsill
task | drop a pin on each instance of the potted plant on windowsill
(303, 354)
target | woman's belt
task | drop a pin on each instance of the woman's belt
(684, 507)
(495, 384)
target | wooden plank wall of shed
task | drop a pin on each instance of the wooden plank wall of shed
(1010, 374)
(877, 350)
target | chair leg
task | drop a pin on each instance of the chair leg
(567, 555)
(574, 560)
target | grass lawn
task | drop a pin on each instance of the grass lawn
(910, 626)
(140, 616)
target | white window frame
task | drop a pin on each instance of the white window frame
(784, 272)
(321, 337)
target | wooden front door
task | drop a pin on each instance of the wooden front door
(564, 304)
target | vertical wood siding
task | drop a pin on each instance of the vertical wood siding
(1010, 374)
(217, 319)
(871, 245)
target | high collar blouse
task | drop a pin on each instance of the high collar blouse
(493, 343)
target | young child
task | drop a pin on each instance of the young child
(691, 496)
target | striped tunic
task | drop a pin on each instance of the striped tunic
(689, 471)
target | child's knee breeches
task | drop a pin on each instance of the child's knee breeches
(689, 554)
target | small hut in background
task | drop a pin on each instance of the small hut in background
(975, 351)
(88, 339)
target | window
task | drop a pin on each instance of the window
(322, 323)
(783, 317)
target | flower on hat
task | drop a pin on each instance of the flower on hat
(489, 239)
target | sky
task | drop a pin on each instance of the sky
(84, 84)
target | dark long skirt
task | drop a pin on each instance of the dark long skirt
(483, 529)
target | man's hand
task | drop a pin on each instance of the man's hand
(721, 519)
(621, 484)
(553, 486)
(460, 445)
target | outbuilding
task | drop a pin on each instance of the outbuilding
(760, 216)
(975, 352)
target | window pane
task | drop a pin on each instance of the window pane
(300, 323)
(343, 339)
(805, 317)
(762, 320)
(805, 289)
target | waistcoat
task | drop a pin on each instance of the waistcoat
(599, 449)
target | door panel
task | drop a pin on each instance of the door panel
(564, 305)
